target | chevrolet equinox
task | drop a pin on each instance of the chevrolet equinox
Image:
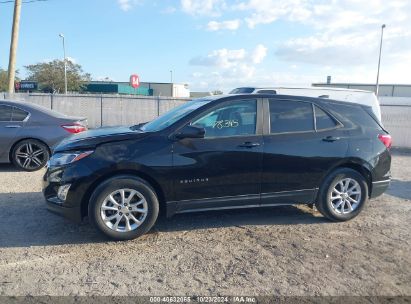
(222, 152)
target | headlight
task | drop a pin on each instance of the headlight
(61, 159)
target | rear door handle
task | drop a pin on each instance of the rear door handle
(248, 144)
(331, 138)
(13, 126)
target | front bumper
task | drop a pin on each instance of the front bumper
(79, 180)
(379, 187)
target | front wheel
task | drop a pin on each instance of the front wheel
(342, 195)
(124, 208)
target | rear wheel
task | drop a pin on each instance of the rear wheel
(342, 195)
(30, 155)
(124, 208)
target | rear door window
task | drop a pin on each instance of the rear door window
(19, 115)
(290, 116)
(5, 113)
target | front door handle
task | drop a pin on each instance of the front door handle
(331, 138)
(249, 144)
(13, 126)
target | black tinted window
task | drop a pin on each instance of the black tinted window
(5, 113)
(267, 92)
(354, 113)
(290, 116)
(231, 119)
(18, 114)
(323, 120)
(242, 91)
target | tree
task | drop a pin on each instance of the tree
(4, 83)
(217, 92)
(50, 76)
(3, 80)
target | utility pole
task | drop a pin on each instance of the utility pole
(171, 81)
(65, 63)
(13, 45)
(377, 85)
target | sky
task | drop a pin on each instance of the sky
(217, 44)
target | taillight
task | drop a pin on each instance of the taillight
(385, 139)
(74, 128)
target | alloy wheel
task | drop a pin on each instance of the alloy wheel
(30, 156)
(124, 210)
(345, 196)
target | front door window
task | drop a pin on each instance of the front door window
(233, 119)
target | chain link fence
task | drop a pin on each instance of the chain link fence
(396, 117)
(103, 110)
(112, 110)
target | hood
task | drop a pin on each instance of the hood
(91, 138)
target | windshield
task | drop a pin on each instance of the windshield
(170, 117)
(242, 91)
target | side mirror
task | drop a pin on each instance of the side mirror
(190, 132)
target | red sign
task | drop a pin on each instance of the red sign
(134, 81)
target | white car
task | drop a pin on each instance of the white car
(367, 98)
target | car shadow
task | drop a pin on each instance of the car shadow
(9, 168)
(400, 189)
(268, 216)
(26, 222)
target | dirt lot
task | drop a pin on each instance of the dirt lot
(273, 251)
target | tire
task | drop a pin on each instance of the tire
(336, 207)
(142, 206)
(30, 155)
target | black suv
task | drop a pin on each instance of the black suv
(222, 152)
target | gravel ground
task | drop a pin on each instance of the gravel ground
(272, 251)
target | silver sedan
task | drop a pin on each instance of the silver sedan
(28, 133)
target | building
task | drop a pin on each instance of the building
(177, 90)
(200, 94)
(116, 88)
(385, 90)
(146, 88)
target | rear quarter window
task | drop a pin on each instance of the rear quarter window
(353, 114)
(323, 120)
(19, 114)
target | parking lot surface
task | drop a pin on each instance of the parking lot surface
(268, 251)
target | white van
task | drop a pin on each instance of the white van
(367, 98)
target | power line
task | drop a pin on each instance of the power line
(27, 1)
